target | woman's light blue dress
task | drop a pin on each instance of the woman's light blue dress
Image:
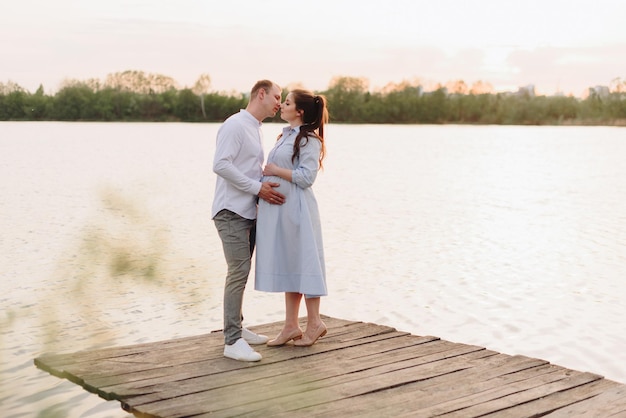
(289, 248)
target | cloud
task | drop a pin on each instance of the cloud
(236, 54)
(569, 70)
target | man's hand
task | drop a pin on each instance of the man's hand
(270, 195)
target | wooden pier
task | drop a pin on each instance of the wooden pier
(358, 369)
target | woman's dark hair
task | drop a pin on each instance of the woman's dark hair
(314, 117)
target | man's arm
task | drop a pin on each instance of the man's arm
(229, 144)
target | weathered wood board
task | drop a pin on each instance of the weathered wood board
(357, 369)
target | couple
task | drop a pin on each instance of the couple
(284, 224)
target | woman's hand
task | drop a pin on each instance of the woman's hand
(273, 170)
(270, 170)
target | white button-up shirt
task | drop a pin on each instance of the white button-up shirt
(238, 164)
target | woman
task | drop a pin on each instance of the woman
(290, 255)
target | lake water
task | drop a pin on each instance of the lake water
(511, 238)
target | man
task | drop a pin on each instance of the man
(238, 164)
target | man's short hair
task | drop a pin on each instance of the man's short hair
(261, 84)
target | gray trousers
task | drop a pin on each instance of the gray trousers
(237, 235)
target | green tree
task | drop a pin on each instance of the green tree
(434, 107)
(187, 107)
(37, 106)
(75, 101)
(136, 95)
(15, 103)
(346, 96)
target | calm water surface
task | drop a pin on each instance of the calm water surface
(511, 238)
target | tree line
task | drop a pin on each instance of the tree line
(137, 96)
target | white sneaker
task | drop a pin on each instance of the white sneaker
(241, 351)
(252, 338)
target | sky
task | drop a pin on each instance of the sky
(559, 46)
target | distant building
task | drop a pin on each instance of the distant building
(601, 92)
(526, 91)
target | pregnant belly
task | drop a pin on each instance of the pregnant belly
(285, 187)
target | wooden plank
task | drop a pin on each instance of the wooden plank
(297, 393)
(341, 364)
(213, 339)
(214, 362)
(443, 371)
(358, 369)
(164, 353)
(503, 397)
(488, 373)
(191, 376)
(360, 383)
(323, 375)
(95, 369)
(604, 398)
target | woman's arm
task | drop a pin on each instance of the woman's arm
(273, 170)
(304, 174)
